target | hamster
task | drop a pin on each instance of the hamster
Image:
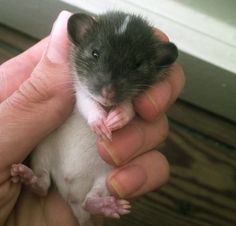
(114, 57)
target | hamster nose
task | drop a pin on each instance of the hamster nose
(108, 92)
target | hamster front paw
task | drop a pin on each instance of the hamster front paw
(120, 115)
(96, 122)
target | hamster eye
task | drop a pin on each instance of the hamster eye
(95, 54)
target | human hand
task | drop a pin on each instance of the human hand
(36, 97)
(139, 168)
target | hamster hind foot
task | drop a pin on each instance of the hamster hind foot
(108, 206)
(99, 202)
(38, 184)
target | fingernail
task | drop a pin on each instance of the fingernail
(159, 96)
(127, 180)
(55, 51)
(125, 144)
(107, 146)
(153, 102)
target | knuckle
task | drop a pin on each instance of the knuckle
(165, 128)
(160, 168)
(33, 99)
(180, 71)
(161, 128)
(178, 67)
(165, 166)
(26, 96)
(178, 79)
(34, 90)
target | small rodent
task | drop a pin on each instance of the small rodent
(114, 57)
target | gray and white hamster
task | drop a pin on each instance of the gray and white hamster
(114, 57)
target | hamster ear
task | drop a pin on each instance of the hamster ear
(167, 53)
(77, 26)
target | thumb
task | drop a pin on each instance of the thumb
(52, 75)
(41, 103)
(57, 50)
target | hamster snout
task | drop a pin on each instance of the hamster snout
(106, 96)
(108, 93)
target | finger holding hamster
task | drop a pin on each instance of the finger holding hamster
(154, 102)
(139, 176)
(133, 140)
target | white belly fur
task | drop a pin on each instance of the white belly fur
(69, 154)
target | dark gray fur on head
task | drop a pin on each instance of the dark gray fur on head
(118, 49)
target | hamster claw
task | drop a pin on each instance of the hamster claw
(101, 129)
(119, 116)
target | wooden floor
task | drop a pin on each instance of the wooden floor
(201, 149)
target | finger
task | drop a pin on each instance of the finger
(41, 103)
(177, 81)
(59, 38)
(161, 35)
(155, 101)
(141, 175)
(19, 68)
(133, 140)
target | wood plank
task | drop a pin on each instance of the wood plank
(15, 39)
(211, 125)
(5, 55)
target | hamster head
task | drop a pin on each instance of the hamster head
(116, 55)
